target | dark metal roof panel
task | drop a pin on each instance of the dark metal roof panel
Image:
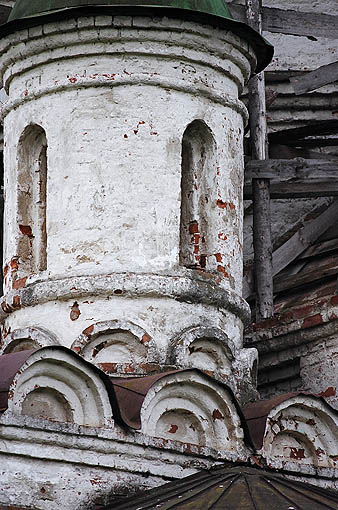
(232, 489)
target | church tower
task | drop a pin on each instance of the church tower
(123, 177)
(122, 362)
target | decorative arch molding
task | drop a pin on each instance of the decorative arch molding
(54, 383)
(115, 345)
(204, 347)
(302, 429)
(28, 338)
(188, 406)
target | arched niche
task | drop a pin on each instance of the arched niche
(26, 339)
(302, 429)
(192, 408)
(56, 384)
(115, 344)
(198, 176)
(32, 200)
(203, 347)
(47, 403)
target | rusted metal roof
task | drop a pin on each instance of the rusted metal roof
(126, 394)
(131, 392)
(256, 414)
(9, 366)
(237, 488)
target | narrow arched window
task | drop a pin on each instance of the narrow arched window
(32, 200)
(198, 169)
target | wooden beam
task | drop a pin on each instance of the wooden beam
(304, 238)
(281, 21)
(296, 245)
(314, 80)
(298, 189)
(283, 283)
(287, 136)
(286, 169)
(260, 187)
(314, 142)
(284, 152)
(320, 248)
(297, 178)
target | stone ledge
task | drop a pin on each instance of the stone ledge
(128, 285)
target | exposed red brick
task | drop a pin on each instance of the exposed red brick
(26, 230)
(300, 313)
(88, 331)
(203, 260)
(312, 321)
(75, 312)
(222, 270)
(146, 338)
(329, 392)
(334, 300)
(217, 415)
(14, 264)
(173, 429)
(19, 284)
(110, 368)
(16, 301)
(221, 204)
(219, 257)
(193, 227)
(232, 206)
(297, 453)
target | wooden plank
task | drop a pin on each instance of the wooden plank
(282, 283)
(314, 80)
(260, 187)
(286, 169)
(297, 178)
(320, 248)
(296, 245)
(299, 189)
(284, 152)
(282, 21)
(313, 142)
(287, 136)
(304, 238)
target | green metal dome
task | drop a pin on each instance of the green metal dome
(27, 8)
(27, 13)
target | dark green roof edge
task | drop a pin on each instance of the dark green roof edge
(27, 8)
(263, 50)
